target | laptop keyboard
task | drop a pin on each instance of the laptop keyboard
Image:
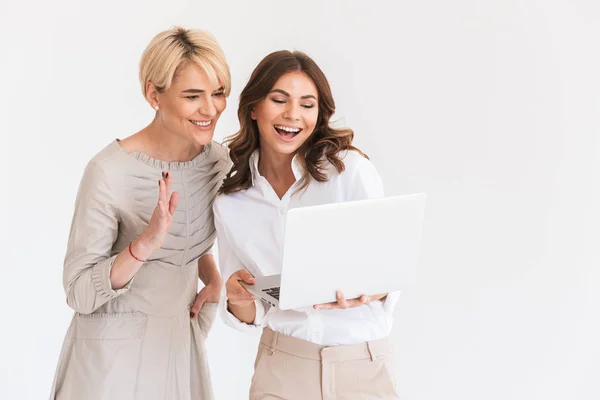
(274, 291)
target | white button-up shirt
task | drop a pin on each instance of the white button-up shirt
(250, 230)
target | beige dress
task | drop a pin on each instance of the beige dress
(138, 342)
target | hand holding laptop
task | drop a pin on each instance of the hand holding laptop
(240, 297)
(327, 247)
(236, 293)
(240, 301)
(350, 303)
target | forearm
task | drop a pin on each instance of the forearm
(208, 271)
(125, 266)
(246, 314)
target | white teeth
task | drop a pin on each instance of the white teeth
(287, 129)
(201, 123)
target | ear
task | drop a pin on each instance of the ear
(152, 95)
(253, 114)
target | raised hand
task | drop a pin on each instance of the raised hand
(155, 233)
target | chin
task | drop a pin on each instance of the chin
(203, 138)
(284, 148)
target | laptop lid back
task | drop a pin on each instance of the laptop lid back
(360, 247)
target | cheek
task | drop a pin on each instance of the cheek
(264, 127)
(220, 104)
(266, 114)
(183, 109)
(263, 122)
(263, 134)
(311, 120)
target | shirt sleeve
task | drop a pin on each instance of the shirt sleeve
(94, 229)
(210, 251)
(366, 184)
(228, 264)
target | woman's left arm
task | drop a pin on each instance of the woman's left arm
(208, 271)
(209, 275)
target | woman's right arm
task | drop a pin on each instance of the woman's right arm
(239, 309)
(91, 276)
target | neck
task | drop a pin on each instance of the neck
(168, 146)
(275, 167)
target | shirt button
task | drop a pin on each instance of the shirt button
(281, 211)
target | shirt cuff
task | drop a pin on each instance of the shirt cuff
(235, 323)
(389, 303)
(101, 279)
(260, 312)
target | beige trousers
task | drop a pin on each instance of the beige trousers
(287, 368)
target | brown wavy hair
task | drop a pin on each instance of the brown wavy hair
(325, 143)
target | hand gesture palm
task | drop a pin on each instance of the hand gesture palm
(162, 217)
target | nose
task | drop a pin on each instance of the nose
(208, 109)
(292, 112)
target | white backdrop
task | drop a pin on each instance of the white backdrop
(490, 107)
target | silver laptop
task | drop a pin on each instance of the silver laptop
(359, 247)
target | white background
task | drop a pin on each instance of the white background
(490, 107)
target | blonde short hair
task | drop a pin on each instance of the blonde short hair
(172, 49)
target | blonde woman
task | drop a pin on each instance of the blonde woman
(141, 236)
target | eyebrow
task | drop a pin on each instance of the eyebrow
(201, 90)
(283, 92)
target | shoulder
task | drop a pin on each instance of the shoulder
(223, 206)
(100, 176)
(220, 153)
(353, 158)
(355, 163)
(219, 150)
(225, 203)
(360, 177)
(103, 165)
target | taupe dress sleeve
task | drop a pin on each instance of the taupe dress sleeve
(94, 229)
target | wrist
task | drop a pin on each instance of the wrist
(245, 313)
(215, 282)
(141, 248)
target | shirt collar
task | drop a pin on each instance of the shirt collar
(254, 157)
